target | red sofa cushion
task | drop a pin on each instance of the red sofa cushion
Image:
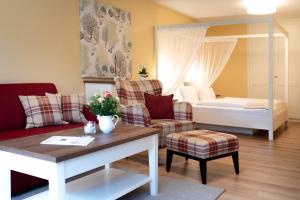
(12, 114)
(89, 115)
(159, 107)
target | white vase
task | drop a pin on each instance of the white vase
(107, 123)
(143, 78)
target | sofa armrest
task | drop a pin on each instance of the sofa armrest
(136, 114)
(88, 114)
(183, 111)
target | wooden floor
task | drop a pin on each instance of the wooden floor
(268, 170)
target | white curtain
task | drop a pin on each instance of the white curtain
(210, 61)
(176, 48)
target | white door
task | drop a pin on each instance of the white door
(279, 69)
(258, 67)
(293, 28)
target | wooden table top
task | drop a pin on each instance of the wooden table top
(30, 146)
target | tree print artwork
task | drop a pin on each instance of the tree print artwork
(105, 40)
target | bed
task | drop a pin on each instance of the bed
(240, 112)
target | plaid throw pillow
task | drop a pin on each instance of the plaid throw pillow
(41, 111)
(71, 106)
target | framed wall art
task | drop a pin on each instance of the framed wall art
(105, 41)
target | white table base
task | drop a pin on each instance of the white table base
(99, 185)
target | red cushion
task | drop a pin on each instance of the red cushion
(159, 107)
(21, 182)
(89, 115)
(12, 114)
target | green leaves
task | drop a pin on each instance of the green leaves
(104, 106)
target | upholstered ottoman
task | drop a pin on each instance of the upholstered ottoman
(202, 145)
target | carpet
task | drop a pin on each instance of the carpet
(169, 189)
(174, 189)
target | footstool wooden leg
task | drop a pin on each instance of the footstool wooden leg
(235, 159)
(186, 158)
(169, 160)
(203, 167)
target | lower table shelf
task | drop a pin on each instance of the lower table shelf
(106, 184)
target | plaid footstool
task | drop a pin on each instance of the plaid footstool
(203, 146)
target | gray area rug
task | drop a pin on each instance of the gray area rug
(174, 189)
(169, 189)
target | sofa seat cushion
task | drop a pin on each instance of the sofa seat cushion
(168, 126)
(202, 143)
(17, 133)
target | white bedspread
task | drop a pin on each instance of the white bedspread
(246, 103)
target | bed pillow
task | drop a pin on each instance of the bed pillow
(41, 111)
(189, 94)
(71, 106)
(206, 94)
(159, 107)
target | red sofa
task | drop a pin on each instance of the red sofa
(13, 121)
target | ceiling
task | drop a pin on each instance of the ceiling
(203, 9)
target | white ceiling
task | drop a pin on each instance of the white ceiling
(202, 9)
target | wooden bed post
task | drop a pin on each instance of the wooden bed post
(271, 74)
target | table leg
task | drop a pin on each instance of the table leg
(107, 165)
(5, 185)
(57, 186)
(153, 165)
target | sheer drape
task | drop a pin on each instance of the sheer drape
(176, 48)
(210, 61)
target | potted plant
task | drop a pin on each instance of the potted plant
(143, 72)
(106, 109)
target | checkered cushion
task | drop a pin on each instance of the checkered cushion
(132, 92)
(168, 126)
(41, 111)
(135, 114)
(183, 111)
(71, 106)
(202, 143)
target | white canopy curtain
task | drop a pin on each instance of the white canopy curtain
(176, 48)
(210, 61)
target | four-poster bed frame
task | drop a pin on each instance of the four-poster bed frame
(271, 23)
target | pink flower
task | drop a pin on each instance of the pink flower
(106, 94)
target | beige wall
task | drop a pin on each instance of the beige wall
(39, 39)
(234, 78)
(145, 15)
(39, 42)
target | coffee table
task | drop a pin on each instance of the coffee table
(57, 163)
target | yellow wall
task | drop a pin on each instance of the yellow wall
(39, 42)
(39, 39)
(233, 81)
(145, 15)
